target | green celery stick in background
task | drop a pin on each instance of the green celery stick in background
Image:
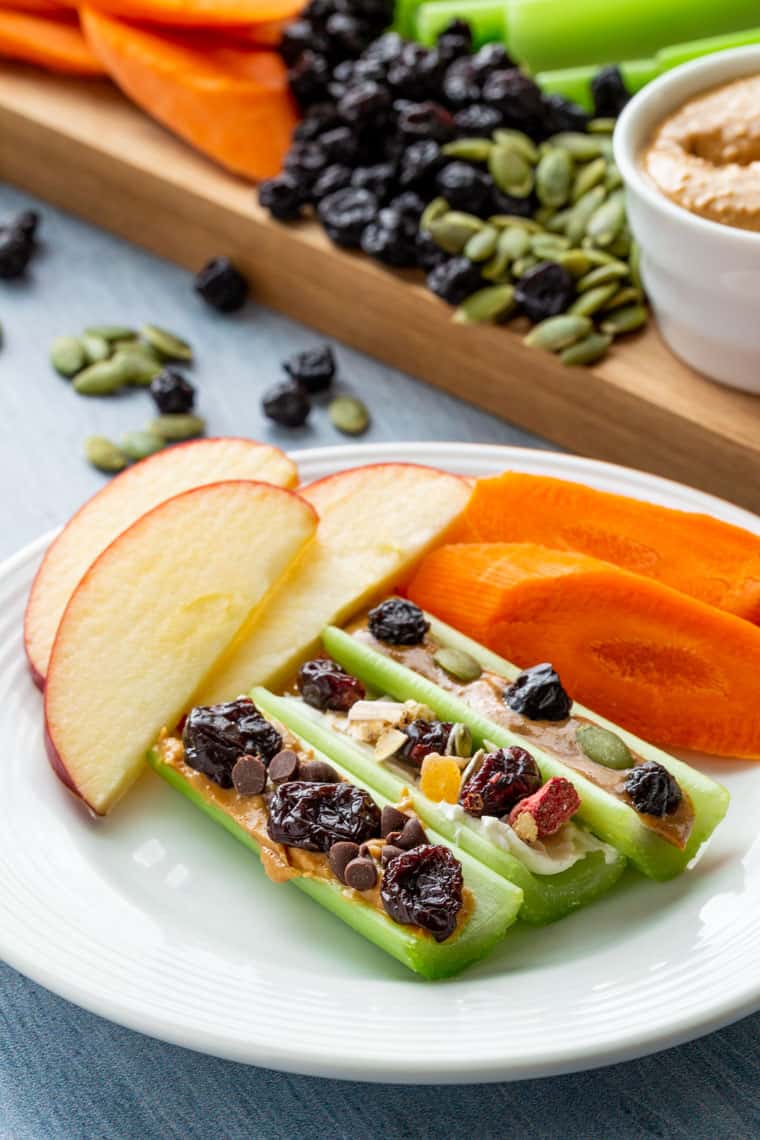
(676, 54)
(486, 19)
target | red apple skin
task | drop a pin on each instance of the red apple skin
(373, 466)
(56, 763)
(37, 677)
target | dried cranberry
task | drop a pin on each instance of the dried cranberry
(215, 736)
(454, 280)
(464, 187)
(324, 684)
(652, 789)
(420, 162)
(609, 92)
(545, 290)
(398, 621)
(455, 40)
(424, 737)
(287, 404)
(15, 252)
(426, 120)
(314, 816)
(478, 119)
(537, 693)
(282, 196)
(172, 393)
(346, 213)
(221, 285)
(505, 777)
(423, 887)
(313, 369)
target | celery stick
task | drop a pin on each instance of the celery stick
(575, 82)
(669, 57)
(486, 19)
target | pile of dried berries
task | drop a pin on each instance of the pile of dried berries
(310, 373)
(18, 243)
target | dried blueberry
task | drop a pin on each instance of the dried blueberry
(334, 177)
(652, 789)
(282, 196)
(505, 777)
(455, 40)
(221, 285)
(26, 223)
(517, 97)
(478, 119)
(346, 213)
(429, 255)
(339, 144)
(609, 92)
(313, 369)
(15, 252)
(324, 684)
(315, 816)
(347, 36)
(363, 103)
(287, 404)
(305, 161)
(308, 77)
(398, 622)
(545, 290)
(464, 187)
(537, 693)
(388, 240)
(215, 736)
(319, 118)
(299, 36)
(427, 120)
(385, 49)
(502, 203)
(425, 737)
(454, 280)
(410, 206)
(492, 57)
(561, 114)
(378, 178)
(423, 887)
(172, 393)
(461, 85)
(420, 162)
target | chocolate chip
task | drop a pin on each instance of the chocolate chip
(249, 776)
(361, 874)
(283, 766)
(318, 772)
(340, 855)
(390, 852)
(391, 819)
(412, 834)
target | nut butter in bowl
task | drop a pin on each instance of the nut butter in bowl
(688, 148)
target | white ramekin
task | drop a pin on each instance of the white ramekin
(702, 278)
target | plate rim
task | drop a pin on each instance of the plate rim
(690, 1025)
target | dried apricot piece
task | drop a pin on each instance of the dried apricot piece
(440, 778)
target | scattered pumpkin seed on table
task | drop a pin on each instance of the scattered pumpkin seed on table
(140, 444)
(67, 355)
(96, 348)
(176, 427)
(348, 415)
(104, 454)
(111, 332)
(101, 379)
(166, 344)
(138, 368)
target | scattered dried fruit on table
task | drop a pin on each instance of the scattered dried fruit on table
(313, 369)
(172, 392)
(287, 404)
(221, 285)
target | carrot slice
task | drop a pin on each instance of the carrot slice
(201, 13)
(231, 103)
(696, 554)
(664, 665)
(44, 7)
(53, 43)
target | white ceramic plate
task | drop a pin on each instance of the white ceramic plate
(157, 919)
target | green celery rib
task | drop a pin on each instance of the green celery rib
(608, 817)
(546, 898)
(497, 903)
(486, 20)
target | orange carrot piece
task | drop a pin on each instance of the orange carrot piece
(49, 42)
(201, 13)
(229, 102)
(696, 554)
(43, 7)
(666, 666)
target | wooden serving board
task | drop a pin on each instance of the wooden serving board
(82, 146)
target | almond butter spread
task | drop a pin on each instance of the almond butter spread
(706, 156)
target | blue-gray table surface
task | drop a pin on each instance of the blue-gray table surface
(66, 1073)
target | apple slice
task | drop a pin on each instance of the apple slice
(375, 523)
(122, 502)
(149, 619)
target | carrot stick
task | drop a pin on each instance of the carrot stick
(666, 666)
(696, 554)
(201, 13)
(50, 42)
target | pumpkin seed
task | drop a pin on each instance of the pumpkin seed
(606, 223)
(497, 269)
(454, 230)
(101, 379)
(544, 215)
(523, 264)
(502, 221)
(581, 147)
(547, 247)
(603, 275)
(111, 332)
(67, 355)
(613, 178)
(348, 415)
(104, 454)
(518, 141)
(511, 172)
(167, 345)
(635, 264)
(593, 300)
(141, 444)
(490, 305)
(628, 295)
(586, 351)
(95, 348)
(481, 246)
(458, 664)
(432, 212)
(389, 744)
(460, 741)
(138, 368)
(556, 333)
(576, 261)
(599, 256)
(588, 177)
(470, 150)
(621, 246)
(625, 320)
(558, 224)
(582, 211)
(175, 427)
(554, 175)
(514, 242)
(601, 126)
(603, 747)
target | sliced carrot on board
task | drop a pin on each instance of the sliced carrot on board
(664, 665)
(696, 554)
(201, 13)
(231, 103)
(44, 7)
(48, 42)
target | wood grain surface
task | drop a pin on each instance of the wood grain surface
(80, 145)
